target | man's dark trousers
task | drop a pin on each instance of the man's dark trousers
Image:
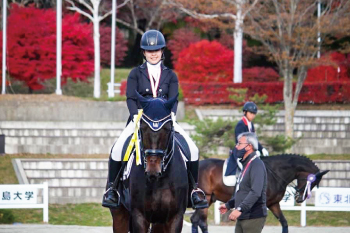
(254, 225)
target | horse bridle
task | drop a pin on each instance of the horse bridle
(166, 154)
(298, 191)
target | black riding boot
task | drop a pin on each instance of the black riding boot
(197, 195)
(111, 198)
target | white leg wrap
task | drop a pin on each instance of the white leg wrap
(116, 153)
(193, 148)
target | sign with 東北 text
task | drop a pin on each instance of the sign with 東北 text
(338, 197)
(18, 194)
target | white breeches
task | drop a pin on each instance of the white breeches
(116, 151)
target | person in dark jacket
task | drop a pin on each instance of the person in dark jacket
(245, 125)
(151, 80)
(249, 199)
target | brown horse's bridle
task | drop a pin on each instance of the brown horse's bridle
(298, 191)
(167, 154)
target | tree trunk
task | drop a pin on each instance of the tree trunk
(238, 43)
(97, 81)
(288, 102)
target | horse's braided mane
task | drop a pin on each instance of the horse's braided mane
(298, 156)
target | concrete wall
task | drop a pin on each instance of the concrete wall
(42, 137)
(84, 180)
(321, 131)
(82, 110)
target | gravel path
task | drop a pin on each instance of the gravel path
(24, 228)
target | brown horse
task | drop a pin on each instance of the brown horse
(281, 171)
(155, 194)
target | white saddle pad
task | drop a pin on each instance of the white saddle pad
(228, 180)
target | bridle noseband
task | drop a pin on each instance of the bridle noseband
(167, 154)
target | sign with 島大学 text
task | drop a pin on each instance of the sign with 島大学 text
(18, 194)
(338, 197)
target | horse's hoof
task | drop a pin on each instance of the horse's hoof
(194, 228)
(284, 229)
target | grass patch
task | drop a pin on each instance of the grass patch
(86, 214)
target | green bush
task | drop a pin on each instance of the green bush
(6, 217)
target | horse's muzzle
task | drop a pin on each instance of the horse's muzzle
(153, 166)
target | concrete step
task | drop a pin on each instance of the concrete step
(70, 182)
(339, 183)
(61, 140)
(312, 134)
(59, 149)
(64, 195)
(59, 164)
(10, 132)
(333, 165)
(87, 173)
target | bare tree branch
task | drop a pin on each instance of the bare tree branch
(110, 12)
(197, 15)
(130, 26)
(74, 8)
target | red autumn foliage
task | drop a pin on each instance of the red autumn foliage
(181, 39)
(218, 93)
(337, 71)
(105, 46)
(260, 74)
(205, 61)
(31, 46)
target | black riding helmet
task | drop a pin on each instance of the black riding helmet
(250, 107)
(152, 40)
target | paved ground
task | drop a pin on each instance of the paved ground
(24, 228)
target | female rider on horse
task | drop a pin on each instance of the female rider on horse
(151, 79)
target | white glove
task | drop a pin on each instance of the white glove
(265, 152)
(134, 120)
(239, 164)
(173, 116)
(257, 153)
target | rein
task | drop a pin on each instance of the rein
(278, 178)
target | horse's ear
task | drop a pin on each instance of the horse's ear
(170, 102)
(320, 174)
(143, 101)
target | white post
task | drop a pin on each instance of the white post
(303, 214)
(46, 202)
(217, 212)
(4, 24)
(238, 44)
(318, 32)
(114, 15)
(59, 47)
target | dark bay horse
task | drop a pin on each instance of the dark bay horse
(281, 171)
(158, 187)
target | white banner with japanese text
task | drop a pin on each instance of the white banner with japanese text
(288, 198)
(338, 197)
(18, 194)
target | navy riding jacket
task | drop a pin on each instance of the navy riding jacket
(139, 80)
(241, 127)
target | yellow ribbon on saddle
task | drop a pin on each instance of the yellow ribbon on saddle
(134, 141)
